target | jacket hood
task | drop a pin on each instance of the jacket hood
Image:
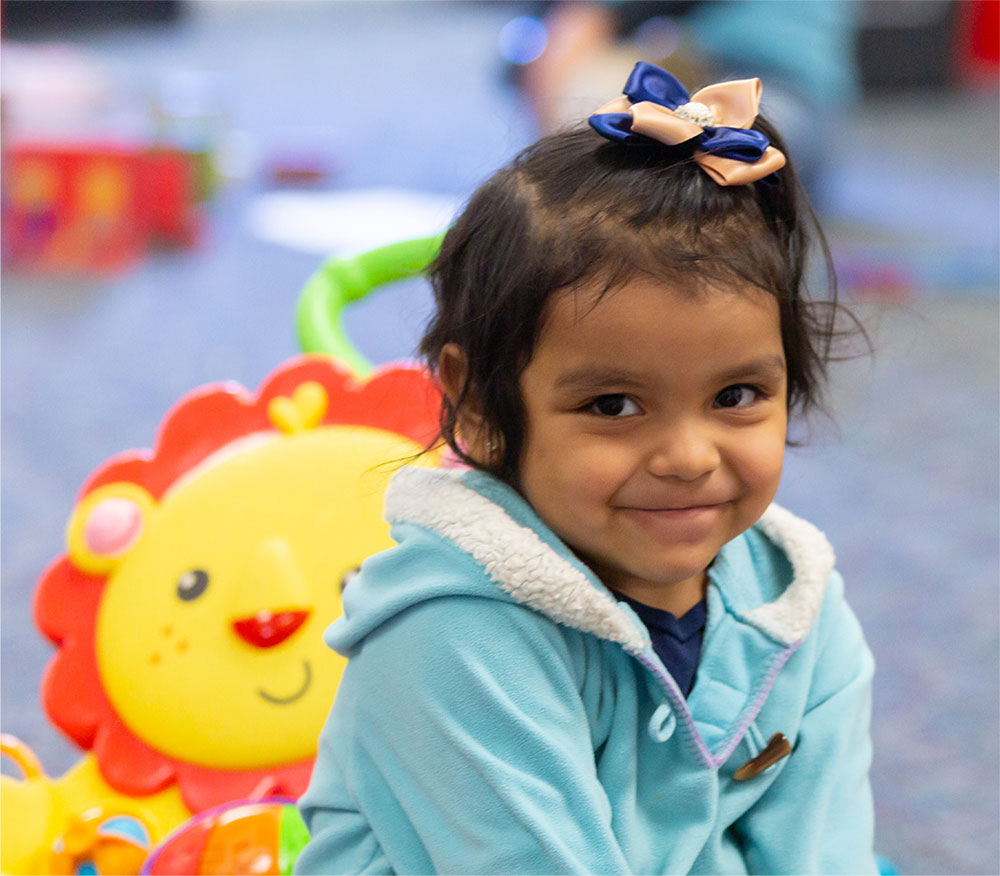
(500, 549)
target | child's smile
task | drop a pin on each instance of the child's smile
(655, 430)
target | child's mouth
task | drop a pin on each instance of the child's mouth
(693, 520)
(680, 513)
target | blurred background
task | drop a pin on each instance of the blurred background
(174, 170)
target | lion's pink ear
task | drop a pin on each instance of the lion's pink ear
(112, 526)
(106, 525)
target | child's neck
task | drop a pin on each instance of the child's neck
(678, 598)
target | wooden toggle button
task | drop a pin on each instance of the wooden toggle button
(777, 747)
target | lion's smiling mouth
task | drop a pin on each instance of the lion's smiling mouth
(284, 701)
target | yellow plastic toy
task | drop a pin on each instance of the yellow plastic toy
(189, 606)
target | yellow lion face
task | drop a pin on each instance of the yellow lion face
(209, 634)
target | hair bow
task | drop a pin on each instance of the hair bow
(656, 105)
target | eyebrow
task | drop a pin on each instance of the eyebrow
(589, 376)
(768, 368)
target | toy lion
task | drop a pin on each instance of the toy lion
(188, 608)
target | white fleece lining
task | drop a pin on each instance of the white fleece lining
(512, 555)
(524, 566)
(792, 614)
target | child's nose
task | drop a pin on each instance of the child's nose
(684, 450)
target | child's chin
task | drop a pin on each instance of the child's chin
(681, 564)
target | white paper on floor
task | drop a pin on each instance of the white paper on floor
(348, 222)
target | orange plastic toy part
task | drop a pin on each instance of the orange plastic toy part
(306, 392)
(245, 837)
(97, 841)
(24, 757)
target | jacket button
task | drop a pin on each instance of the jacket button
(777, 747)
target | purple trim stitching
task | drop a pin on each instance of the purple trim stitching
(728, 745)
(695, 743)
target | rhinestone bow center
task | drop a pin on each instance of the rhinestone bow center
(696, 112)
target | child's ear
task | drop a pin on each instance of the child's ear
(470, 428)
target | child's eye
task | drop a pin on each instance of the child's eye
(614, 405)
(740, 395)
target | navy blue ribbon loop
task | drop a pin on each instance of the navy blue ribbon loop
(614, 126)
(652, 83)
(649, 82)
(742, 144)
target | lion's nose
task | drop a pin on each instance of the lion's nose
(269, 628)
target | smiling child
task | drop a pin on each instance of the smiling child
(601, 648)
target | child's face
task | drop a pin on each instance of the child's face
(655, 430)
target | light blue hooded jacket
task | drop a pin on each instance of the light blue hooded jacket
(501, 712)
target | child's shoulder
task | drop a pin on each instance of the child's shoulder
(472, 591)
(441, 635)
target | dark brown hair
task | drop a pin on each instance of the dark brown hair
(574, 207)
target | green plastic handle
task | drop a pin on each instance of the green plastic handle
(319, 314)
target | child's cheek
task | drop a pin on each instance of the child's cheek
(756, 466)
(597, 471)
(760, 457)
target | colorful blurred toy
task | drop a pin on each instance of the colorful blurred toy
(94, 208)
(52, 828)
(96, 842)
(188, 608)
(248, 836)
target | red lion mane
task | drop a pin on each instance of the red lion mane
(400, 399)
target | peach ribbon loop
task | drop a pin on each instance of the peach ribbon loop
(656, 105)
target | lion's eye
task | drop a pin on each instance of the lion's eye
(192, 584)
(347, 577)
